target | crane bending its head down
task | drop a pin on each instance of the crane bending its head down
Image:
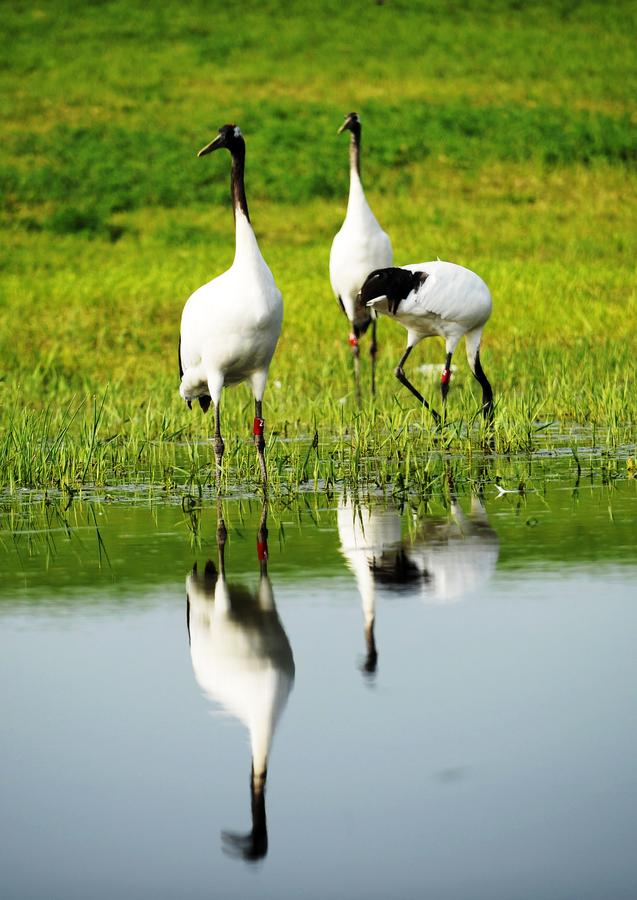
(434, 298)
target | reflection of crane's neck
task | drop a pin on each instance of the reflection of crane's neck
(223, 603)
(478, 512)
(257, 803)
(265, 594)
(254, 845)
(258, 776)
(371, 660)
(367, 590)
(261, 733)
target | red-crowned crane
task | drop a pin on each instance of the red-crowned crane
(230, 326)
(360, 246)
(434, 298)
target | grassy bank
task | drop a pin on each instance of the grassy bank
(502, 139)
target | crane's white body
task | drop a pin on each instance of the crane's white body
(230, 326)
(241, 656)
(451, 302)
(358, 248)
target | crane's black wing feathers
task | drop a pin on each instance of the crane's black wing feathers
(394, 283)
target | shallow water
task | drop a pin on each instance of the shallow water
(445, 694)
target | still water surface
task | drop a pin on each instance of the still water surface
(442, 699)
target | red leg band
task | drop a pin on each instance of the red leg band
(262, 550)
(257, 428)
(352, 340)
(445, 378)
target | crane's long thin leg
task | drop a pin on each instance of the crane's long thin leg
(473, 358)
(222, 535)
(445, 379)
(259, 440)
(487, 393)
(262, 540)
(373, 350)
(400, 375)
(353, 342)
(450, 483)
(218, 441)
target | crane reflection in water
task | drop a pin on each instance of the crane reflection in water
(242, 660)
(445, 557)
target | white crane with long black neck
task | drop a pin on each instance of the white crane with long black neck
(358, 248)
(434, 298)
(230, 326)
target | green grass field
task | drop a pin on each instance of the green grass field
(497, 135)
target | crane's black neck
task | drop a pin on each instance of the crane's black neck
(237, 184)
(355, 148)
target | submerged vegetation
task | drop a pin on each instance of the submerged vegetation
(498, 137)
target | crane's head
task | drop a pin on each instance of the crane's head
(229, 137)
(352, 123)
(392, 284)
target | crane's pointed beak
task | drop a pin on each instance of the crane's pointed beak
(213, 145)
(343, 126)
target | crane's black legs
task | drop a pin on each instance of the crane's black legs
(373, 350)
(487, 393)
(218, 441)
(259, 440)
(445, 379)
(262, 541)
(400, 375)
(222, 536)
(353, 342)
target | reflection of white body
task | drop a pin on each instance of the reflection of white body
(370, 539)
(454, 555)
(446, 559)
(371, 544)
(241, 656)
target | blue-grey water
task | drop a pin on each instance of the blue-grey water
(445, 695)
